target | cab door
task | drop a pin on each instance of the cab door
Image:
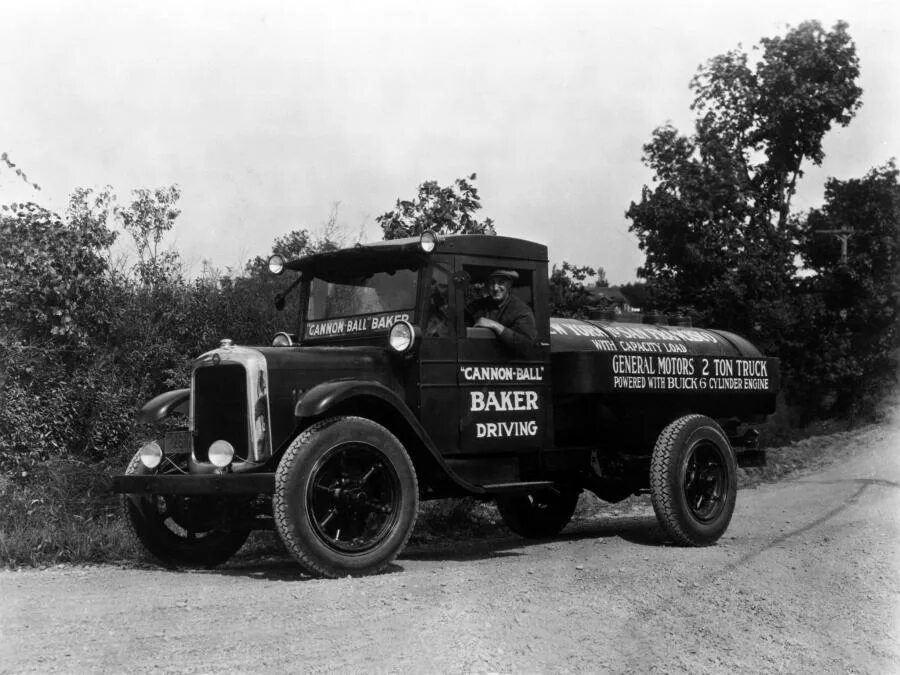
(503, 397)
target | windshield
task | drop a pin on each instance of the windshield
(350, 305)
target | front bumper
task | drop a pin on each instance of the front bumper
(196, 484)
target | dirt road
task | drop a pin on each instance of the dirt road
(807, 579)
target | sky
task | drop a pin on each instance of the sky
(267, 113)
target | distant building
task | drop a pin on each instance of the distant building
(610, 298)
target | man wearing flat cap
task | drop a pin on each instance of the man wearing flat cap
(505, 314)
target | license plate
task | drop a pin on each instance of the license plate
(177, 442)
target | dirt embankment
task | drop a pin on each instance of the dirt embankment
(807, 579)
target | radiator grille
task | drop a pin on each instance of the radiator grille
(220, 409)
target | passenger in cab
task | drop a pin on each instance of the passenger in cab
(439, 322)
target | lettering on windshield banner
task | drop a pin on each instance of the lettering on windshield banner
(633, 372)
(644, 339)
(353, 325)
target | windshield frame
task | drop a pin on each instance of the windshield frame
(358, 325)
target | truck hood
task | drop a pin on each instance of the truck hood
(293, 371)
(308, 366)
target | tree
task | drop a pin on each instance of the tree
(636, 292)
(568, 294)
(716, 226)
(55, 308)
(149, 217)
(852, 306)
(445, 210)
(54, 270)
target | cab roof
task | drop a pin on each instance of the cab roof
(408, 252)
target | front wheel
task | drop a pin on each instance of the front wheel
(346, 497)
(693, 480)
(183, 530)
(538, 515)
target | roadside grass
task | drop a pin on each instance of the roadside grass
(64, 511)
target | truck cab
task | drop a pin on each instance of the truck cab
(387, 393)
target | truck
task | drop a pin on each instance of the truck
(386, 395)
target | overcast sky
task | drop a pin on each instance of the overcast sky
(267, 113)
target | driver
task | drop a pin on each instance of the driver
(511, 319)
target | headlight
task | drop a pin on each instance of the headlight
(276, 264)
(221, 453)
(282, 340)
(428, 241)
(402, 336)
(151, 455)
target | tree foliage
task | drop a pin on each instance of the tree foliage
(54, 308)
(445, 210)
(148, 219)
(722, 243)
(852, 306)
(636, 292)
(715, 226)
(569, 296)
(52, 271)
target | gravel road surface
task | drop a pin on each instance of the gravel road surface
(807, 579)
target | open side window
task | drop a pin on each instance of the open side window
(477, 288)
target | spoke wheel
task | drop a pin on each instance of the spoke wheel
(705, 482)
(183, 531)
(693, 481)
(346, 497)
(355, 498)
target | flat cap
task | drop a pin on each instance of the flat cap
(506, 274)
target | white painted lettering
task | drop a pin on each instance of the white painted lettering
(503, 401)
(506, 429)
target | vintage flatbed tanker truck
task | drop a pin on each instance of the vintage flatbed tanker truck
(332, 435)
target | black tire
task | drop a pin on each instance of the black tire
(346, 497)
(693, 481)
(198, 535)
(538, 515)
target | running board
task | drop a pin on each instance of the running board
(532, 486)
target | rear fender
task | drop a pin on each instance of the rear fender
(160, 407)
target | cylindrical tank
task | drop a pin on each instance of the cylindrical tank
(608, 357)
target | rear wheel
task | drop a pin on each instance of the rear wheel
(542, 514)
(346, 497)
(693, 480)
(179, 530)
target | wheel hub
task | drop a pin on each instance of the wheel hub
(704, 482)
(355, 498)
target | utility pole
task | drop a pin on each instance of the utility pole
(843, 235)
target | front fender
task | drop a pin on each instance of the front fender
(318, 400)
(323, 397)
(160, 407)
